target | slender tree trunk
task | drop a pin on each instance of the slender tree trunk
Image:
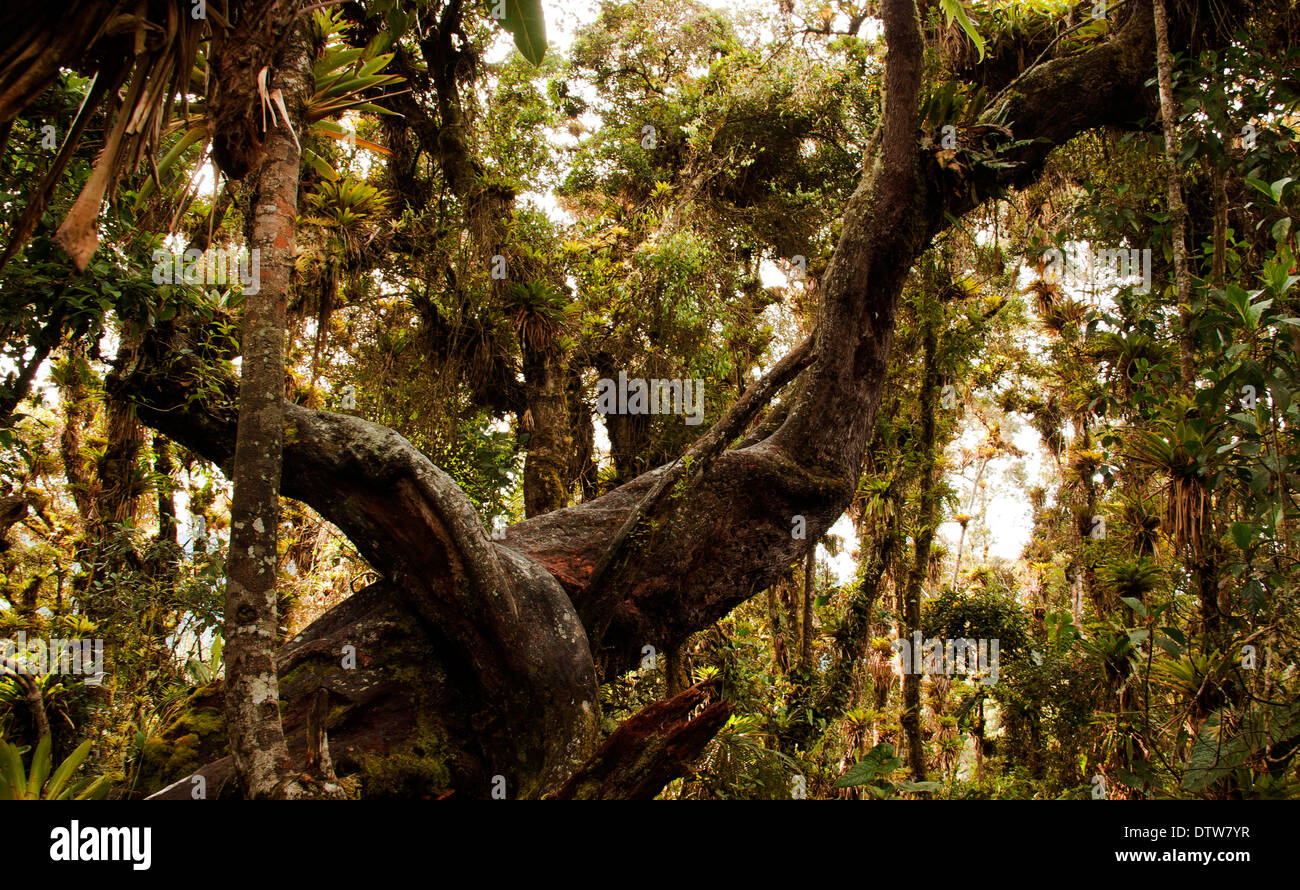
(36, 703)
(970, 505)
(1220, 269)
(549, 444)
(924, 539)
(252, 690)
(675, 670)
(582, 467)
(77, 413)
(1177, 209)
(164, 470)
(774, 623)
(809, 591)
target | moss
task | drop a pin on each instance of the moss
(415, 768)
(420, 766)
(163, 761)
(202, 722)
(195, 737)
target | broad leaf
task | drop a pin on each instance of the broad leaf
(523, 19)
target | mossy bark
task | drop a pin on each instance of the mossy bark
(252, 690)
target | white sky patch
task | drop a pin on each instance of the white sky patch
(1008, 517)
(842, 565)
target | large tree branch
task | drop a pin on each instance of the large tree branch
(504, 624)
(728, 534)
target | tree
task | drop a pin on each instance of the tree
(726, 535)
(252, 687)
(480, 659)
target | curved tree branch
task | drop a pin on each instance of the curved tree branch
(718, 536)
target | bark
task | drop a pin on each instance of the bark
(36, 704)
(118, 469)
(13, 509)
(676, 674)
(650, 749)
(779, 655)
(252, 689)
(549, 444)
(806, 624)
(926, 520)
(582, 470)
(77, 414)
(164, 469)
(238, 54)
(1177, 208)
(1219, 269)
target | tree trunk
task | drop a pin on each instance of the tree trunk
(926, 519)
(970, 505)
(164, 470)
(1177, 208)
(549, 443)
(779, 656)
(252, 689)
(119, 468)
(806, 624)
(675, 670)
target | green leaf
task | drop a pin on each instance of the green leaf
(320, 165)
(919, 786)
(1169, 645)
(1282, 228)
(1242, 534)
(879, 761)
(1215, 753)
(66, 769)
(1259, 185)
(523, 19)
(40, 767)
(954, 9)
(1135, 604)
(96, 789)
(1281, 397)
(13, 778)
